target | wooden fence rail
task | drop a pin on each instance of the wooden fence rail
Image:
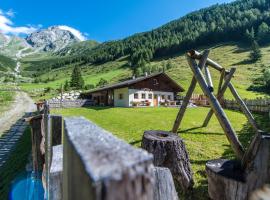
(70, 103)
(255, 105)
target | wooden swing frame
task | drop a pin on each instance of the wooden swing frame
(206, 84)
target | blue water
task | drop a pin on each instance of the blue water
(27, 186)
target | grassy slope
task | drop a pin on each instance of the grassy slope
(6, 98)
(227, 55)
(6, 63)
(203, 143)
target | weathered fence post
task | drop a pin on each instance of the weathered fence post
(164, 185)
(36, 135)
(98, 166)
(56, 129)
(56, 174)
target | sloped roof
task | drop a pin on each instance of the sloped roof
(136, 80)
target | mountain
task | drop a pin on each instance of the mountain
(3, 39)
(51, 39)
(12, 45)
(218, 23)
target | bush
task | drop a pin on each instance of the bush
(89, 87)
(102, 82)
(47, 89)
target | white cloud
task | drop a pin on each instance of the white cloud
(10, 13)
(74, 31)
(8, 27)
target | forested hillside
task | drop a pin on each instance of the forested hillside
(219, 23)
(239, 32)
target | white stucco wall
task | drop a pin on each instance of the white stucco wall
(121, 102)
(131, 93)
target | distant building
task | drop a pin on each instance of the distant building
(150, 90)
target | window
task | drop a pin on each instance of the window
(162, 97)
(150, 96)
(169, 97)
(143, 95)
(121, 96)
(155, 81)
(136, 96)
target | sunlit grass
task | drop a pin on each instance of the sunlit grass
(202, 143)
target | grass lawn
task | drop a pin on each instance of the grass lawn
(203, 143)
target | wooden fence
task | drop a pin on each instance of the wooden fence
(80, 160)
(261, 105)
(71, 103)
(254, 105)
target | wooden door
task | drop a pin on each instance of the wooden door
(155, 100)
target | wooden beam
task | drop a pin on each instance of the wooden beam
(243, 107)
(197, 55)
(220, 95)
(222, 75)
(220, 114)
(209, 78)
(185, 102)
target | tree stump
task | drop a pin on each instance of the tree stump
(169, 151)
(231, 179)
(164, 186)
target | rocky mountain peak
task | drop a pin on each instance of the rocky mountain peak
(53, 38)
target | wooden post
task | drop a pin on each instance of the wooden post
(61, 101)
(164, 185)
(219, 96)
(56, 133)
(47, 131)
(185, 102)
(99, 166)
(209, 79)
(221, 115)
(243, 107)
(222, 75)
(37, 156)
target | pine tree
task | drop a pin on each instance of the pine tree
(66, 86)
(263, 33)
(76, 78)
(255, 53)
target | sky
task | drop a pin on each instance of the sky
(100, 20)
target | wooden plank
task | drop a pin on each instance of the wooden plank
(99, 166)
(243, 107)
(220, 114)
(219, 96)
(47, 132)
(185, 102)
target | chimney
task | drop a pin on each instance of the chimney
(146, 74)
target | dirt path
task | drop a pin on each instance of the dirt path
(21, 105)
